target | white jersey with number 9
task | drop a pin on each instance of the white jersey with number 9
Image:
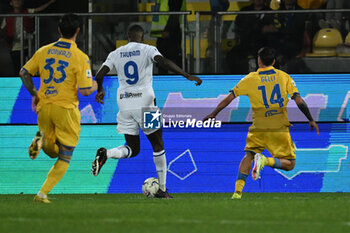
(134, 65)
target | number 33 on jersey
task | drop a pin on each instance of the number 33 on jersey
(63, 68)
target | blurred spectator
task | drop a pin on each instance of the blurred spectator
(167, 30)
(12, 29)
(215, 6)
(289, 36)
(219, 5)
(251, 34)
(332, 20)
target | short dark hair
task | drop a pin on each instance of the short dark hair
(68, 25)
(267, 55)
(134, 30)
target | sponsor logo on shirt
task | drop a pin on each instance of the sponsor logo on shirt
(51, 91)
(130, 95)
(272, 113)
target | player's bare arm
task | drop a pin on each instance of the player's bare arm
(228, 99)
(44, 6)
(167, 64)
(27, 80)
(305, 110)
(101, 73)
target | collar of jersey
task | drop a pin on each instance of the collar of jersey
(266, 68)
(68, 41)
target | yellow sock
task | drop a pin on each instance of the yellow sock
(51, 149)
(239, 186)
(55, 174)
(270, 161)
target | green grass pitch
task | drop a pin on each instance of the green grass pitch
(207, 212)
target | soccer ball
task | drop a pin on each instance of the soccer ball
(150, 187)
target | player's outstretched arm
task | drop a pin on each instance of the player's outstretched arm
(228, 99)
(101, 73)
(169, 65)
(305, 109)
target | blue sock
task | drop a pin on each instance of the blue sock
(242, 176)
(277, 163)
(240, 182)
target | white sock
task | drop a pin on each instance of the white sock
(160, 162)
(41, 195)
(119, 152)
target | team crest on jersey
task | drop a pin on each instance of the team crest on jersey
(51, 91)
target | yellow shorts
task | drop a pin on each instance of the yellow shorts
(60, 124)
(278, 143)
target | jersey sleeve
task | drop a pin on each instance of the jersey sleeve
(241, 88)
(152, 52)
(110, 60)
(291, 87)
(32, 66)
(85, 76)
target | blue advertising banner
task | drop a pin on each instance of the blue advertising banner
(327, 97)
(199, 159)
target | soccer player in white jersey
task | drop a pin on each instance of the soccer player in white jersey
(134, 65)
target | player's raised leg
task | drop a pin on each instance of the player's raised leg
(47, 133)
(156, 139)
(36, 145)
(279, 163)
(131, 149)
(259, 163)
(44, 139)
(281, 146)
(50, 147)
(244, 170)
